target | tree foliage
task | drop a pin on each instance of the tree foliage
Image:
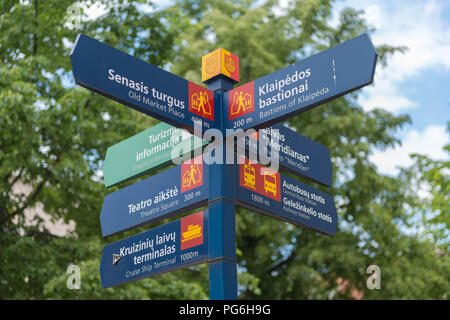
(54, 137)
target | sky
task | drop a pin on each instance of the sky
(416, 82)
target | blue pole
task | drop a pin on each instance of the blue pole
(222, 211)
(222, 251)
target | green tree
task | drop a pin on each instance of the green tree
(430, 178)
(53, 140)
(54, 137)
(287, 262)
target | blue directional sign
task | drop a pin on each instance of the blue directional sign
(165, 194)
(284, 198)
(172, 246)
(141, 85)
(297, 154)
(302, 86)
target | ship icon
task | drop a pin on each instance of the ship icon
(193, 231)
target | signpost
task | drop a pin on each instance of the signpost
(285, 198)
(147, 151)
(302, 86)
(172, 246)
(210, 235)
(297, 154)
(181, 188)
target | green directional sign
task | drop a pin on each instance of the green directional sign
(147, 151)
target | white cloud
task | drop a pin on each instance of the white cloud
(428, 142)
(94, 11)
(419, 25)
(385, 94)
(373, 16)
(424, 29)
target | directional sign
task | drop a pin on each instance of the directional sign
(165, 194)
(297, 153)
(147, 151)
(172, 246)
(302, 86)
(284, 198)
(140, 85)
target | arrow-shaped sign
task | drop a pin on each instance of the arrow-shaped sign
(147, 151)
(178, 189)
(141, 85)
(301, 86)
(297, 154)
(274, 194)
(169, 247)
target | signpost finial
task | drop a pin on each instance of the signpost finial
(220, 66)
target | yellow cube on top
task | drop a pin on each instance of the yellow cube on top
(220, 61)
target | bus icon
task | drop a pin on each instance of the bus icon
(259, 179)
(270, 183)
(249, 176)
